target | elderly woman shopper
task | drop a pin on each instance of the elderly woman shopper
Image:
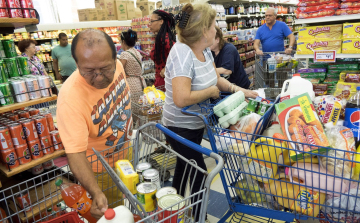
(227, 61)
(190, 78)
(27, 49)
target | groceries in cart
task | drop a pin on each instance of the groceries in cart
(296, 86)
(118, 214)
(151, 102)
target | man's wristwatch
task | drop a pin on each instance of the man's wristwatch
(290, 47)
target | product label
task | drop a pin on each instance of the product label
(3, 141)
(126, 168)
(305, 200)
(352, 121)
(260, 169)
(15, 141)
(83, 205)
(306, 109)
(348, 137)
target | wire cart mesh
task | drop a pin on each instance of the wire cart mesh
(44, 194)
(262, 177)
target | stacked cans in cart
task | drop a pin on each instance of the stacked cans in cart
(27, 135)
(17, 9)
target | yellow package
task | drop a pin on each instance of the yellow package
(345, 90)
(154, 95)
(344, 75)
(128, 176)
(309, 46)
(320, 32)
(351, 30)
(350, 46)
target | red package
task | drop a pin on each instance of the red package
(315, 3)
(345, 5)
(349, 0)
(347, 11)
(322, 13)
(318, 8)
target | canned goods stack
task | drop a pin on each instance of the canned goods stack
(27, 135)
(13, 9)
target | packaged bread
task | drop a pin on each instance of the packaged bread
(351, 46)
(309, 46)
(332, 5)
(345, 5)
(315, 3)
(350, 11)
(321, 32)
(351, 30)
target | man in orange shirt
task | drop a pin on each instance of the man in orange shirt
(94, 112)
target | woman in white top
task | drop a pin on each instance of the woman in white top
(190, 78)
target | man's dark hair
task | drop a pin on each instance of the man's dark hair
(130, 37)
(61, 35)
(91, 43)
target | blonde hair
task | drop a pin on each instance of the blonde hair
(201, 17)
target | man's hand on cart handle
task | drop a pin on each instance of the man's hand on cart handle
(288, 50)
(259, 52)
(99, 205)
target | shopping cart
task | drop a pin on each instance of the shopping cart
(253, 185)
(44, 194)
(286, 66)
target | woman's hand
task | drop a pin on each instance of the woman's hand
(249, 93)
(162, 73)
(215, 92)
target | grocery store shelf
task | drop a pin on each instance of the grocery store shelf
(253, 15)
(341, 55)
(287, 2)
(328, 19)
(15, 106)
(16, 22)
(78, 25)
(31, 164)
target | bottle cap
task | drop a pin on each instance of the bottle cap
(358, 88)
(296, 75)
(58, 182)
(109, 214)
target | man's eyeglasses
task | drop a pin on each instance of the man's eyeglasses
(269, 15)
(152, 21)
(103, 72)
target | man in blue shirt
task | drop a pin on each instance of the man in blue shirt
(272, 35)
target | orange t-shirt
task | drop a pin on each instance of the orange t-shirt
(95, 118)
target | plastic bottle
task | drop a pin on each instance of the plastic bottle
(296, 86)
(271, 64)
(308, 174)
(119, 214)
(3, 216)
(76, 197)
(257, 9)
(307, 201)
(352, 115)
(274, 128)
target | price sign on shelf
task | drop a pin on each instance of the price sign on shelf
(325, 56)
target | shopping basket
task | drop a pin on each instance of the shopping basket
(43, 193)
(274, 80)
(270, 187)
(71, 217)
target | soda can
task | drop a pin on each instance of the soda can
(44, 84)
(33, 88)
(5, 137)
(3, 78)
(29, 130)
(23, 152)
(41, 126)
(20, 91)
(9, 157)
(6, 71)
(263, 108)
(13, 117)
(14, 13)
(3, 12)
(56, 140)
(50, 120)
(35, 149)
(23, 66)
(34, 111)
(5, 95)
(32, 12)
(46, 145)
(11, 66)
(48, 165)
(9, 48)
(25, 4)
(23, 201)
(17, 134)
(2, 51)
(24, 114)
(37, 170)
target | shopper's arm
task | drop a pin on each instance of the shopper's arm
(56, 69)
(82, 170)
(257, 47)
(183, 95)
(291, 44)
(224, 71)
(123, 62)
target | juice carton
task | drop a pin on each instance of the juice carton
(300, 124)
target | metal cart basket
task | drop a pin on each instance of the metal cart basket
(282, 179)
(44, 194)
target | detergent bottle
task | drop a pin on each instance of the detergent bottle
(119, 214)
(263, 157)
(296, 197)
(308, 174)
(296, 86)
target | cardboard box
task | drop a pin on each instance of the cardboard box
(101, 14)
(351, 30)
(99, 4)
(351, 46)
(321, 32)
(93, 14)
(83, 15)
(121, 10)
(138, 13)
(146, 8)
(307, 46)
(158, 5)
(110, 7)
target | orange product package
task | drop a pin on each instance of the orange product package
(349, 11)
(315, 3)
(322, 13)
(333, 5)
(345, 5)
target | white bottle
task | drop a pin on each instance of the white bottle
(296, 86)
(257, 9)
(274, 128)
(271, 64)
(120, 214)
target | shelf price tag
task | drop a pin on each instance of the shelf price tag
(239, 16)
(248, 15)
(325, 56)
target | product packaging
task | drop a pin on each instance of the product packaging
(350, 76)
(351, 46)
(328, 108)
(351, 30)
(309, 46)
